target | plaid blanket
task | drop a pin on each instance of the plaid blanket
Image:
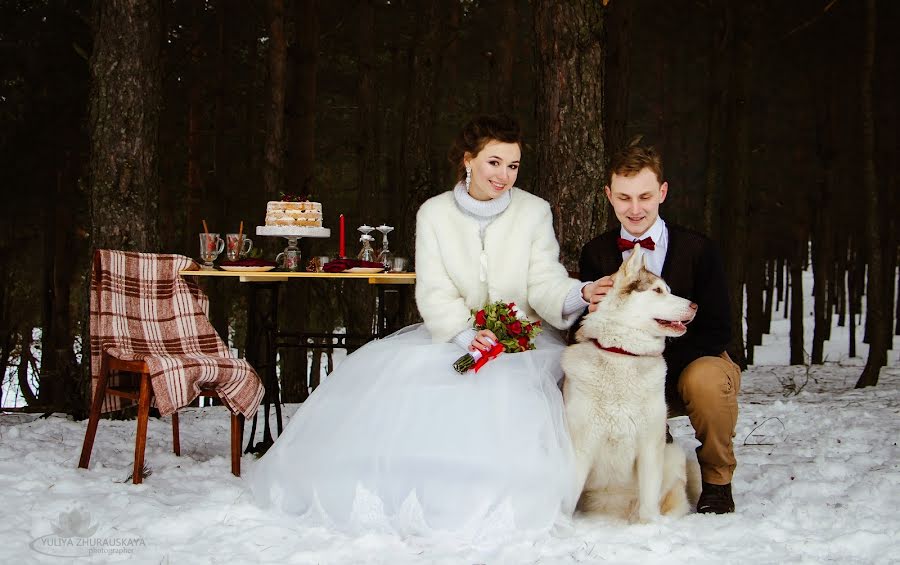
(142, 310)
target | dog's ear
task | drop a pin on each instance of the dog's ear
(635, 263)
(579, 334)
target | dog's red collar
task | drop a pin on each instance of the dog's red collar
(613, 349)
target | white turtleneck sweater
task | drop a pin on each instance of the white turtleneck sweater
(484, 212)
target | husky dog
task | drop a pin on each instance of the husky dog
(615, 401)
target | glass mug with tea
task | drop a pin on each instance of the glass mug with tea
(210, 247)
(237, 246)
(289, 259)
(399, 264)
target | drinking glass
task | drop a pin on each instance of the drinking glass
(237, 246)
(210, 247)
(398, 265)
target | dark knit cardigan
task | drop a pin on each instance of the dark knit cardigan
(693, 269)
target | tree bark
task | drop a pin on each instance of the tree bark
(571, 153)
(416, 177)
(368, 180)
(57, 369)
(798, 356)
(300, 167)
(617, 26)
(755, 275)
(769, 310)
(875, 310)
(194, 198)
(124, 114)
(124, 121)
(273, 161)
(718, 92)
(305, 51)
(736, 209)
(501, 61)
(25, 359)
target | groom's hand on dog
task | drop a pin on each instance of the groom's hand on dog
(593, 293)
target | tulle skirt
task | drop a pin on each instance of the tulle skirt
(394, 439)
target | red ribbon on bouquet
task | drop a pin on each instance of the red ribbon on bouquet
(486, 356)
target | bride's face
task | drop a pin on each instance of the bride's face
(494, 169)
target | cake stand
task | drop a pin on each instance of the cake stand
(292, 234)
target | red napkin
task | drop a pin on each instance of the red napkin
(340, 265)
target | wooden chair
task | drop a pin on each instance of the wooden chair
(142, 394)
(145, 317)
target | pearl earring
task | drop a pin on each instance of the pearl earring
(468, 177)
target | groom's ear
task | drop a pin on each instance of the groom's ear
(608, 193)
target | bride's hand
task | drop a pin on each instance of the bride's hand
(484, 339)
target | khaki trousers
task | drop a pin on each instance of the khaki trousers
(707, 391)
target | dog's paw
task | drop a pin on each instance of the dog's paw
(648, 517)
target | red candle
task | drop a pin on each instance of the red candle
(341, 244)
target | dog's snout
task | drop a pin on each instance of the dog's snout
(693, 307)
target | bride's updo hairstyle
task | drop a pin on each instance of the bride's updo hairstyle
(479, 132)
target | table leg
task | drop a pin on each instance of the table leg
(262, 355)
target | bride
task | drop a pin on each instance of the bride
(395, 439)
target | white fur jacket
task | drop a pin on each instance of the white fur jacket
(518, 261)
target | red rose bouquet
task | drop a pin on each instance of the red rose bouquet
(513, 330)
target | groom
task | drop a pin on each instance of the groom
(701, 382)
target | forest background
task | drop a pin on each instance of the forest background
(126, 123)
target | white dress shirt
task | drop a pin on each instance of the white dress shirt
(655, 259)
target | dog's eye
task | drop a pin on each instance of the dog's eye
(658, 290)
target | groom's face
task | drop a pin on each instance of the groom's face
(636, 200)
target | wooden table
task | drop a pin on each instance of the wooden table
(381, 279)
(266, 332)
(281, 276)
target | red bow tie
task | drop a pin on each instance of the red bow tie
(646, 243)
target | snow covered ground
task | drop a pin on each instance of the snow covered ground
(818, 481)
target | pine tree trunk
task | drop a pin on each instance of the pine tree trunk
(855, 283)
(875, 308)
(273, 162)
(796, 332)
(305, 51)
(897, 304)
(415, 176)
(6, 345)
(617, 70)
(570, 128)
(755, 274)
(368, 182)
(736, 208)
(58, 364)
(770, 297)
(718, 91)
(25, 359)
(301, 169)
(124, 108)
(501, 60)
(124, 121)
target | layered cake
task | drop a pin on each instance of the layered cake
(301, 214)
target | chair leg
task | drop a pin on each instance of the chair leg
(237, 438)
(94, 418)
(176, 441)
(140, 442)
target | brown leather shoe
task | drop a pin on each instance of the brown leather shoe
(715, 499)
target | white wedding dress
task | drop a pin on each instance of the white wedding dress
(396, 440)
